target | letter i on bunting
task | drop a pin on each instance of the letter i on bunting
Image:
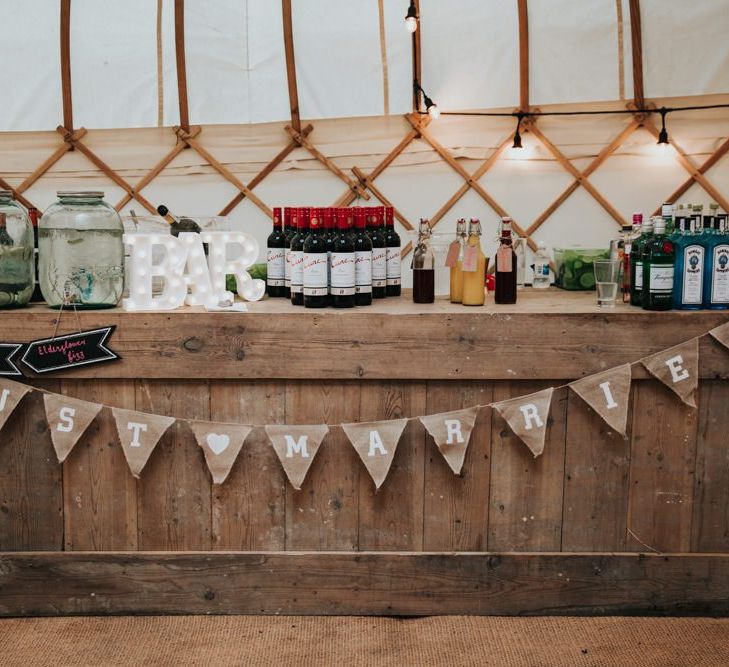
(376, 442)
(678, 368)
(139, 434)
(527, 417)
(68, 419)
(11, 393)
(608, 394)
(221, 444)
(452, 433)
(296, 447)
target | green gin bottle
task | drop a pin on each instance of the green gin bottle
(658, 269)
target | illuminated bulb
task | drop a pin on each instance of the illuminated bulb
(434, 111)
(411, 18)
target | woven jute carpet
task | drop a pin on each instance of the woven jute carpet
(355, 641)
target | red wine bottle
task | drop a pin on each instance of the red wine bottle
(316, 289)
(379, 251)
(288, 235)
(276, 258)
(392, 254)
(505, 290)
(297, 257)
(362, 258)
(342, 286)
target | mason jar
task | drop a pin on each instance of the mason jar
(17, 266)
(81, 254)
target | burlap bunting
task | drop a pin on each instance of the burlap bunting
(527, 417)
(721, 333)
(11, 393)
(139, 434)
(68, 419)
(221, 444)
(452, 433)
(608, 394)
(678, 368)
(296, 447)
(376, 442)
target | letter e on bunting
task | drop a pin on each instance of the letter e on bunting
(139, 434)
(527, 417)
(11, 393)
(296, 447)
(221, 444)
(68, 419)
(452, 433)
(678, 368)
(608, 394)
(376, 442)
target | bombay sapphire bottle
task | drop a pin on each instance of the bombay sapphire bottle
(716, 280)
(17, 265)
(688, 286)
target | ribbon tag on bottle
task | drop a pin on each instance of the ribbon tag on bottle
(503, 259)
(452, 257)
(470, 258)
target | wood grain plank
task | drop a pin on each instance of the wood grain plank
(662, 462)
(174, 496)
(99, 494)
(455, 508)
(597, 468)
(392, 518)
(323, 516)
(31, 485)
(249, 509)
(525, 504)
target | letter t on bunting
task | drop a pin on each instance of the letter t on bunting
(68, 419)
(296, 447)
(527, 417)
(678, 368)
(608, 394)
(139, 434)
(452, 433)
(376, 443)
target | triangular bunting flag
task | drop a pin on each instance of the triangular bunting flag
(376, 442)
(608, 394)
(452, 433)
(11, 393)
(721, 333)
(68, 419)
(527, 417)
(221, 444)
(296, 447)
(139, 434)
(678, 368)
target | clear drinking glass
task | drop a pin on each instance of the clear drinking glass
(607, 273)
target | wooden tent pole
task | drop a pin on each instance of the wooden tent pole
(66, 64)
(417, 70)
(288, 34)
(523, 55)
(636, 40)
(181, 67)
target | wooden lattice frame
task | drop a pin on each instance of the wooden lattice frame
(361, 184)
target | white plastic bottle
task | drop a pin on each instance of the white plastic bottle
(541, 267)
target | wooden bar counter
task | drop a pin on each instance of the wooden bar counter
(597, 524)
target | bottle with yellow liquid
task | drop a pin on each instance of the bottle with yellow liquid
(474, 267)
(457, 268)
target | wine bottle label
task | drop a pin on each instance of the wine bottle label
(315, 274)
(363, 272)
(287, 266)
(297, 271)
(720, 274)
(392, 268)
(660, 279)
(503, 259)
(275, 267)
(379, 267)
(343, 273)
(639, 276)
(693, 275)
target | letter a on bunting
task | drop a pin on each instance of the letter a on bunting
(376, 442)
(527, 417)
(452, 433)
(678, 368)
(139, 434)
(11, 394)
(296, 447)
(608, 394)
(68, 419)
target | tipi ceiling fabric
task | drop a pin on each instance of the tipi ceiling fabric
(353, 58)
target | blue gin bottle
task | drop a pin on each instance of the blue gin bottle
(688, 287)
(716, 280)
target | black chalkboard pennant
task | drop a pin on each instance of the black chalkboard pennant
(69, 351)
(7, 352)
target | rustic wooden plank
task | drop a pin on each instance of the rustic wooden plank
(99, 494)
(392, 518)
(66, 92)
(455, 508)
(323, 516)
(525, 503)
(662, 462)
(711, 484)
(636, 41)
(174, 487)
(180, 63)
(249, 509)
(288, 33)
(597, 467)
(364, 583)
(31, 492)
(523, 54)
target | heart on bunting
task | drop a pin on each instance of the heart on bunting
(218, 442)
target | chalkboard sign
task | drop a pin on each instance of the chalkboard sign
(69, 351)
(7, 352)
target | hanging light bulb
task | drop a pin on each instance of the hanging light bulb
(517, 136)
(432, 107)
(411, 18)
(663, 134)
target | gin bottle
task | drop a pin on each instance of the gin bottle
(658, 270)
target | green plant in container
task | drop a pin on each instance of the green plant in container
(574, 267)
